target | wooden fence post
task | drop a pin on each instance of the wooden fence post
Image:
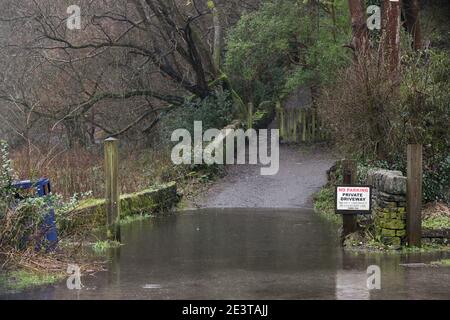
(290, 124)
(314, 125)
(281, 119)
(304, 124)
(287, 125)
(112, 189)
(250, 116)
(294, 121)
(293, 127)
(349, 222)
(414, 195)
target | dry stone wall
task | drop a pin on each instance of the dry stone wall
(389, 205)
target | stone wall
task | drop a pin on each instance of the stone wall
(388, 205)
(92, 212)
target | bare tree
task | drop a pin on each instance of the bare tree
(130, 61)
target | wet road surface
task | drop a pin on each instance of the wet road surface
(302, 171)
(247, 254)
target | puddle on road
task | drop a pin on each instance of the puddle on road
(248, 254)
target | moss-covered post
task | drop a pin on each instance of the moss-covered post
(112, 188)
(414, 195)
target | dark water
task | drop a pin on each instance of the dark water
(247, 254)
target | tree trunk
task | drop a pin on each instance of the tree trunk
(390, 16)
(360, 42)
(218, 39)
(75, 132)
(412, 21)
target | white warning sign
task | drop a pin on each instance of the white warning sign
(353, 198)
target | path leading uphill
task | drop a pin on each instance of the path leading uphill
(302, 172)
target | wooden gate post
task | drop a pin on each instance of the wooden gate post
(414, 195)
(280, 120)
(112, 189)
(349, 171)
(250, 116)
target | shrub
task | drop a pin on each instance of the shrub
(373, 115)
(215, 112)
(21, 216)
(357, 110)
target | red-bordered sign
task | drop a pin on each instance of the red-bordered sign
(353, 199)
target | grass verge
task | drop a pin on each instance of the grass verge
(19, 280)
(324, 205)
(442, 263)
(103, 245)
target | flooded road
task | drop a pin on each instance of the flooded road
(247, 254)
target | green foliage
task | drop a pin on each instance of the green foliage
(215, 112)
(436, 223)
(286, 44)
(442, 263)
(133, 218)
(21, 279)
(21, 227)
(102, 246)
(436, 178)
(324, 205)
(5, 178)
(425, 114)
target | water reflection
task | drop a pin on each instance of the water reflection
(245, 254)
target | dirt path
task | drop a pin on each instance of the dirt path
(302, 172)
